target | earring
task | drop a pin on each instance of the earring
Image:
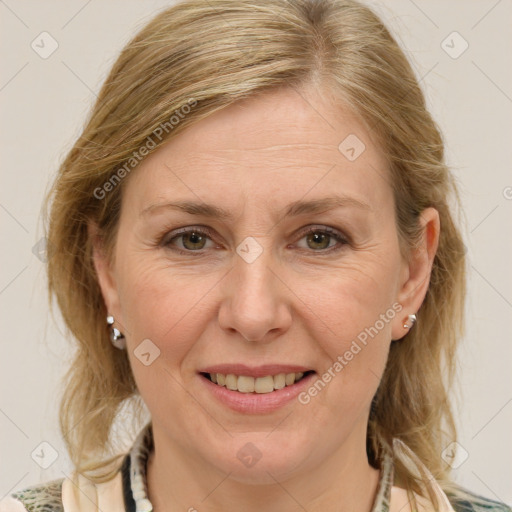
(116, 336)
(411, 320)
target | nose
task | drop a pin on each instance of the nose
(255, 300)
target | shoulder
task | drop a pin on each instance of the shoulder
(77, 493)
(46, 496)
(470, 502)
(460, 501)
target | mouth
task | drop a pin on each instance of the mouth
(255, 385)
(255, 389)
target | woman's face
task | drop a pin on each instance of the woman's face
(195, 292)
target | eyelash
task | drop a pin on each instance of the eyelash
(341, 239)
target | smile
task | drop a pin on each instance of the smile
(248, 384)
(250, 389)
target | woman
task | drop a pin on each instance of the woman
(252, 239)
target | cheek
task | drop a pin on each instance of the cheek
(350, 298)
(167, 307)
(350, 315)
(164, 304)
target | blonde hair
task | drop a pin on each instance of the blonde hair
(210, 54)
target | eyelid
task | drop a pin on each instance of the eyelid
(325, 229)
(168, 236)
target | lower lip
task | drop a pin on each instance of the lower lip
(256, 403)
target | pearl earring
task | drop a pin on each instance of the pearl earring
(411, 320)
(116, 336)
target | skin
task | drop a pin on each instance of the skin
(296, 303)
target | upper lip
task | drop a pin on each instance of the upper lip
(254, 371)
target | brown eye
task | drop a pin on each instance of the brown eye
(193, 240)
(323, 240)
(318, 240)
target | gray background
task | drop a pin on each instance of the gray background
(43, 105)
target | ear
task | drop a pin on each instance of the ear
(416, 271)
(105, 273)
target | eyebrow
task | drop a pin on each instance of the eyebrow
(296, 208)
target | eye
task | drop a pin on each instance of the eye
(192, 239)
(320, 239)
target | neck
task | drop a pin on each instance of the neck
(177, 480)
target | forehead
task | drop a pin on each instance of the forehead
(281, 145)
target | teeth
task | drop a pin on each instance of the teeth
(231, 381)
(280, 381)
(246, 384)
(289, 379)
(264, 384)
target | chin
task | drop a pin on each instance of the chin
(256, 460)
(262, 473)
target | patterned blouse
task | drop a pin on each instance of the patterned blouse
(127, 492)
